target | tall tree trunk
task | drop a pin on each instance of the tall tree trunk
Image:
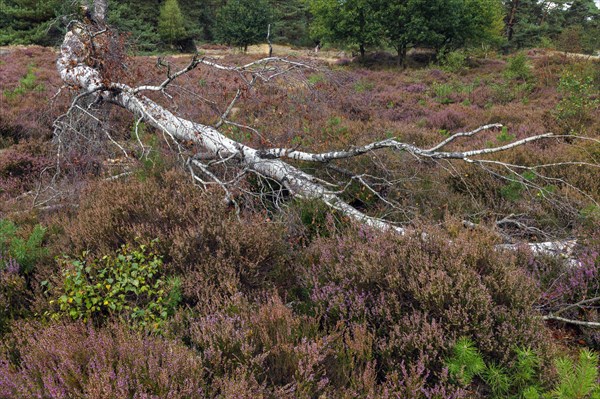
(401, 60)
(362, 51)
(511, 19)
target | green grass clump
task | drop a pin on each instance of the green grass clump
(27, 83)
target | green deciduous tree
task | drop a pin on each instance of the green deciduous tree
(350, 22)
(171, 23)
(440, 24)
(243, 22)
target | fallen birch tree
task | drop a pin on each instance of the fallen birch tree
(78, 71)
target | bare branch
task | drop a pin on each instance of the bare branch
(397, 145)
(590, 324)
(228, 110)
(579, 304)
(192, 65)
(463, 134)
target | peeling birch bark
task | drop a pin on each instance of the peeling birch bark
(74, 72)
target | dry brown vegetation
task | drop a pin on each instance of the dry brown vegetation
(297, 301)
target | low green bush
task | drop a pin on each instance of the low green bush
(518, 68)
(27, 84)
(454, 61)
(522, 379)
(128, 284)
(579, 101)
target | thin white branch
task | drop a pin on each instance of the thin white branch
(579, 304)
(590, 324)
(192, 65)
(463, 134)
(394, 144)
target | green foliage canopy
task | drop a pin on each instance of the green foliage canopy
(32, 21)
(351, 22)
(243, 22)
(440, 24)
(171, 22)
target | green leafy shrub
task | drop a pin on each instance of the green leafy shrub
(443, 92)
(198, 235)
(518, 68)
(579, 100)
(128, 284)
(454, 61)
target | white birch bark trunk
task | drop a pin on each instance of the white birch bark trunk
(75, 72)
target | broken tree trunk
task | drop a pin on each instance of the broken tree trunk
(76, 71)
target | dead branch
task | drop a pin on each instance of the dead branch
(268, 163)
(582, 323)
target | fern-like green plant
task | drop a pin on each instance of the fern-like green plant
(466, 362)
(526, 369)
(25, 251)
(497, 379)
(531, 393)
(577, 381)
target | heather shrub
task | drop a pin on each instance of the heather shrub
(72, 360)
(26, 84)
(279, 349)
(413, 382)
(447, 119)
(129, 284)
(13, 293)
(19, 171)
(26, 111)
(198, 235)
(564, 283)
(419, 294)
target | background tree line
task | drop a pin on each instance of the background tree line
(364, 25)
